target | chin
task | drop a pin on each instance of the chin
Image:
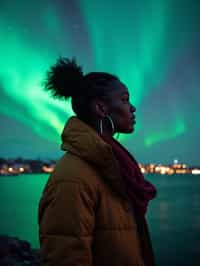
(127, 130)
(131, 130)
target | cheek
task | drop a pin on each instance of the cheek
(121, 117)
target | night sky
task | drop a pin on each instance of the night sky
(152, 46)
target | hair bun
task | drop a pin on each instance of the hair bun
(64, 78)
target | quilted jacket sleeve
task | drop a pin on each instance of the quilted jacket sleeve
(66, 224)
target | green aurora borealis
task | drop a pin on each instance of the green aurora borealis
(153, 46)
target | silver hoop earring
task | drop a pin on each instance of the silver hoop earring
(101, 126)
(112, 124)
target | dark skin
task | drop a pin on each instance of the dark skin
(118, 107)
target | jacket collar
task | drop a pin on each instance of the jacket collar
(83, 141)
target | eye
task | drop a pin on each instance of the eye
(125, 99)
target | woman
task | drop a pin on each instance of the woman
(92, 211)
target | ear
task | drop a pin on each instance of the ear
(99, 108)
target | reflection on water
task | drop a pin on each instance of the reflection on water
(163, 210)
(173, 217)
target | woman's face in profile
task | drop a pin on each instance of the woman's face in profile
(120, 109)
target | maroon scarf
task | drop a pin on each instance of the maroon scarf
(139, 190)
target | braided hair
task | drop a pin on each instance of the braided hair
(65, 79)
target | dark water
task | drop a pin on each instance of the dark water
(173, 217)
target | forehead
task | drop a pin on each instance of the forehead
(118, 88)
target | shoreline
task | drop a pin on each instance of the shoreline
(14, 251)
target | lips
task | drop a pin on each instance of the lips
(133, 119)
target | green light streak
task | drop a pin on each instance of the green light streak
(23, 70)
(175, 130)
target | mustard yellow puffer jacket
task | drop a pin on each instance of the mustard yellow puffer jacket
(85, 218)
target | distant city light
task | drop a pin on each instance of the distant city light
(143, 170)
(196, 171)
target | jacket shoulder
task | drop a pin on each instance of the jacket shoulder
(71, 168)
